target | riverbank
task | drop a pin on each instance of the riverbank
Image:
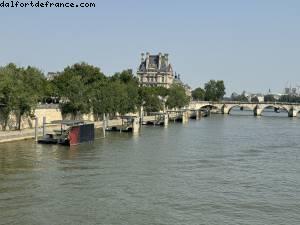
(29, 133)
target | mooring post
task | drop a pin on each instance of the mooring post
(44, 125)
(166, 119)
(198, 115)
(141, 115)
(106, 121)
(135, 124)
(36, 129)
(104, 124)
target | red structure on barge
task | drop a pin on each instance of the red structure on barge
(72, 132)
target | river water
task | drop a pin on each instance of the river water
(234, 169)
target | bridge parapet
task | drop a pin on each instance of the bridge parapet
(257, 108)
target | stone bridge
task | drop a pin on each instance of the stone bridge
(257, 108)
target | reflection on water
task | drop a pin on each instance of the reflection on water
(219, 170)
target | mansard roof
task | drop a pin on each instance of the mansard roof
(153, 64)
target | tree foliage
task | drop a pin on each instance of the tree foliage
(214, 90)
(198, 94)
(269, 98)
(81, 89)
(177, 97)
(20, 90)
(74, 87)
(240, 98)
(290, 98)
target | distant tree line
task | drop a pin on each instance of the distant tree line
(213, 91)
(267, 98)
(282, 98)
(80, 89)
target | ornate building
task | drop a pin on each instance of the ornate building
(155, 70)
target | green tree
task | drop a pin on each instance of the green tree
(149, 97)
(126, 88)
(289, 98)
(239, 98)
(214, 90)
(126, 76)
(255, 99)
(118, 94)
(269, 98)
(75, 85)
(50, 92)
(177, 97)
(8, 93)
(20, 91)
(31, 85)
(160, 91)
(198, 94)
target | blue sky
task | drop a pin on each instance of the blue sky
(251, 45)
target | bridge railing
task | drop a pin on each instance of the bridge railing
(239, 102)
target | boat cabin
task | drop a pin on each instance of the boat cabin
(71, 132)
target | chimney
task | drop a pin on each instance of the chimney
(159, 60)
(142, 57)
(147, 60)
(167, 59)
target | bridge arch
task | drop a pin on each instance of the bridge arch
(286, 109)
(239, 106)
(211, 106)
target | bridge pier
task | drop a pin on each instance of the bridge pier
(225, 109)
(292, 112)
(195, 114)
(257, 111)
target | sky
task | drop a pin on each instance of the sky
(251, 45)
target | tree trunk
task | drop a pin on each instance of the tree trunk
(5, 124)
(19, 121)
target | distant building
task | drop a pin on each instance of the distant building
(155, 70)
(259, 97)
(187, 88)
(292, 91)
(51, 75)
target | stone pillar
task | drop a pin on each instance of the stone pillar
(188, 113)
(141, 114)
(36, 125)
(292, 112)
(185, 117)
(136, 124)
(198, 115)
(225, 109)
(104, 125)
(166, 119)
(44, 126)
(257, 111)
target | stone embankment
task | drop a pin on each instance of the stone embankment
(29, 133)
